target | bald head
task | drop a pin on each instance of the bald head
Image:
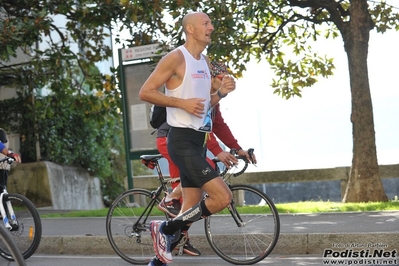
(191, 19)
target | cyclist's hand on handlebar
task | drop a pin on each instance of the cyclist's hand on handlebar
(227, 159)
(15, 156)
(250, 157)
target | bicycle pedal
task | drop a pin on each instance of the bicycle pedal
(180, 251)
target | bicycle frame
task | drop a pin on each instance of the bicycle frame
(8, 223)
(257, 234)
(139, 225)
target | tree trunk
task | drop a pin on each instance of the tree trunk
(364, 182)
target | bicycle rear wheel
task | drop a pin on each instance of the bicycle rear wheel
(128, 223)
(249, 231)
(28, 231)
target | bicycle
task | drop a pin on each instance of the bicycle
(6, 238)
(21, 219)
(244, 233)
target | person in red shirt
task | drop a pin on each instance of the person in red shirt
(171, 204)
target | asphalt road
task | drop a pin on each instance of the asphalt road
(73, 260)
(355, 222)
(335, 224)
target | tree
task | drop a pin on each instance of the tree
(245, 29)
(54, 47)
(278, 31)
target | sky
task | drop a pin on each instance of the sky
(315, 131)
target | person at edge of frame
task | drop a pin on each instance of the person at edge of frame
(5, 152)
(189, 102)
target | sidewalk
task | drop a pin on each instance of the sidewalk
(299, 233)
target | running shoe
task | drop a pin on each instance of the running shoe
(172, 208)
(161, 241)
(153, 263)
(189, 249)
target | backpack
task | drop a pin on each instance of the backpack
(157, 116)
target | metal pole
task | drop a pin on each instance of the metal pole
(125, 121)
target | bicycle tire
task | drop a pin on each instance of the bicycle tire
(131, 241)
(28, 234)
(258, 235)
(7, 241)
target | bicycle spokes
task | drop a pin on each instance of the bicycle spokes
(254, 232)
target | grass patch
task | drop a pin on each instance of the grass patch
(294, 207)
(327, 206)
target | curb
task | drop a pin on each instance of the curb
(288, 244)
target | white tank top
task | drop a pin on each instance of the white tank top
(196, 84)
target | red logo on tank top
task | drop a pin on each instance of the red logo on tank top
(201, 74)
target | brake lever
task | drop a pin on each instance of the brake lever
(10, 160)
(233, 151)
(250, 153)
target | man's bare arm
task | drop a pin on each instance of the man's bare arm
(165, 70)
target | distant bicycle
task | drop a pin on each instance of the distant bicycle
(21, 219)
(244, 233)
(7, 240)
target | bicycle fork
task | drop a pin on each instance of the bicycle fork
(234, 213)
(8, 224)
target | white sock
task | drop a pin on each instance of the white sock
(167, 198)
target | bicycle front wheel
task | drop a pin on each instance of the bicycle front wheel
(27, 232)
(8, 241)
(128, 223)
(247, 231)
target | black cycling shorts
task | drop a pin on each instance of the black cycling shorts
(187, 149)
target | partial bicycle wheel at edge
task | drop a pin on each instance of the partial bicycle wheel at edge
(28, 233)
(254, 237)
(127, 225)
(7, 240)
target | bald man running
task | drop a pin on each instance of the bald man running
(187, 79)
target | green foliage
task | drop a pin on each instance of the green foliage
(73, 130)
(67, 110)
(275, 31)
(327, 206)
(265, 30)
(385, 17)
(59, 44)
(75, 123)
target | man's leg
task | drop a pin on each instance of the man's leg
(195, 207)
(177, 192)
(219, 197)
(185, 147)
(171, 204)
